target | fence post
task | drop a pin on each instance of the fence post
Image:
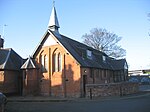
(121, 92)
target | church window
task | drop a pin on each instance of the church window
(45, 62)
(42, 62)
(55, 63)
(59, 62)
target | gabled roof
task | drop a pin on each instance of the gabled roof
(10, 60)
(29, 64)
(79, 52)
(118, 64)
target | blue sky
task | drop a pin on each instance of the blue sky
(27, 22)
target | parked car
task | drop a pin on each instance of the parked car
(133, 80)
(3, 101)
(145, 80)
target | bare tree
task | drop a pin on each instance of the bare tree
(104, 41)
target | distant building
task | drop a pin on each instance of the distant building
(140, 76)
(142, 72)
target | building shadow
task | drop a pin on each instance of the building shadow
(69, 87)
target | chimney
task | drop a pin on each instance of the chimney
(1, 42)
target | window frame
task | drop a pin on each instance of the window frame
(59, 62)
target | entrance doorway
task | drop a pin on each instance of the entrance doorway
(84, 85)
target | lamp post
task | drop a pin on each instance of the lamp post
(4, 30)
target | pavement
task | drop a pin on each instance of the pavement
(36, 99)
(52, 99)
(143, 92)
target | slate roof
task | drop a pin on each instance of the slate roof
(79, 52)
(118, 64)
(10, 60)
(29, 64)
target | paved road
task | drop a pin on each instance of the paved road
(136, 104)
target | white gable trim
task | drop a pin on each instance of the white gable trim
(50, 41)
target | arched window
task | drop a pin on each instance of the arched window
(55, 63)
(42, 63)
(45, 62)
(59, 62)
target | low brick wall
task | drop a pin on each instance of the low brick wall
(111, 89)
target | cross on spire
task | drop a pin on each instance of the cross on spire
(53, 3)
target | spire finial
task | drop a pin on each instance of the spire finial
(53, 3)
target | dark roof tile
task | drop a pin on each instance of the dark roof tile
(10, 60)
(78, 51)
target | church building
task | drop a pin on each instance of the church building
(64, 66)
(59, 66)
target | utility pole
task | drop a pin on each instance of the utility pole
(4, 30)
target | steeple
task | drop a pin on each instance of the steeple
(53, 22)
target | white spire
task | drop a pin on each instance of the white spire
(53, 22)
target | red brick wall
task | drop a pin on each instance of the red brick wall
(111, 89)
(1, 80)
(43, 77)
(1, 76)
(30, 82)
(9, 81)
(65, 83)
(73, 77)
